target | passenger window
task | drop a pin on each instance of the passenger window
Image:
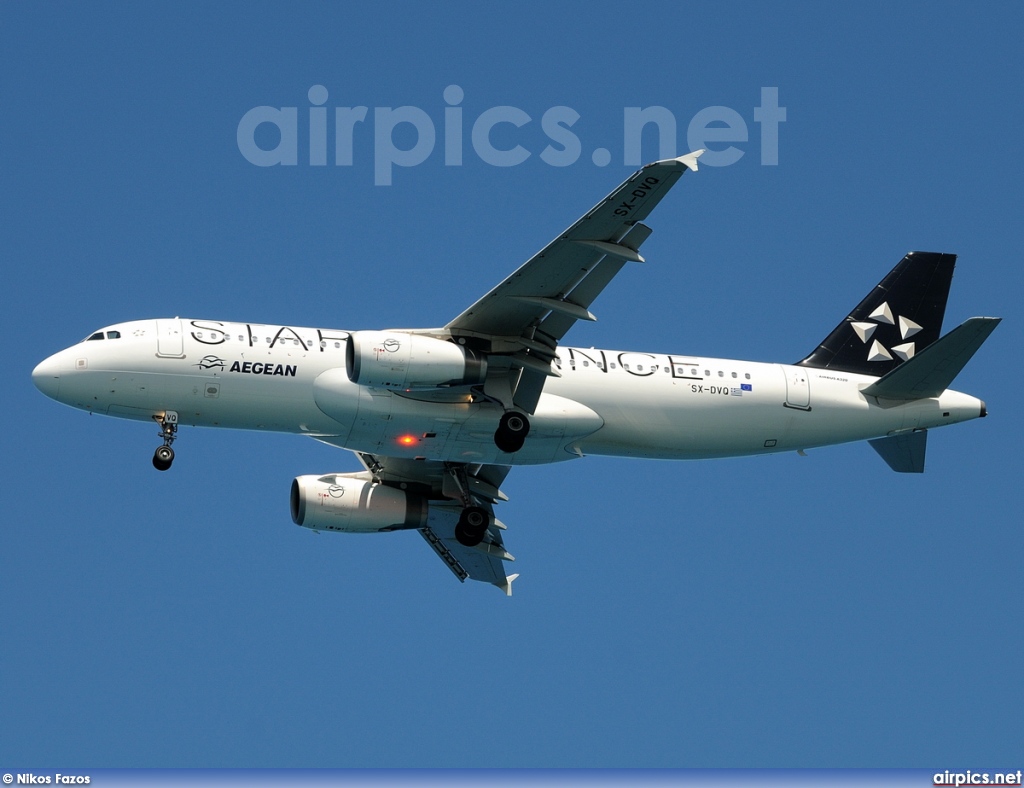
(586, 363)
(747, 375)
(734, 374)
(721, 374)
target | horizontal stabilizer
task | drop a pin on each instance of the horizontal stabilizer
(931, 371)
(903, 453)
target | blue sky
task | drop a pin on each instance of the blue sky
(780, 611)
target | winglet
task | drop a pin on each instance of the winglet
(689, 160)
(508, 584)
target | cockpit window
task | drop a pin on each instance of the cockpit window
(113, 335)
(97, 335)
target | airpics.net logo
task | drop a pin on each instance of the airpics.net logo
(270, 136)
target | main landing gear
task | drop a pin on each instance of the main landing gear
(164, 455)
(512, 431)
(474, 520)
(472, 525)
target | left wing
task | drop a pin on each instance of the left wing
(528, 314)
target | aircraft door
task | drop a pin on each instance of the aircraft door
(169, 339)
(798, 389)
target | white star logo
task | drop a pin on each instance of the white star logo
(908, 327)
(883, 314)
(878, 353)
(905, 352)
(864, 330)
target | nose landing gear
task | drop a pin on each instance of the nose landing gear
(164, 455)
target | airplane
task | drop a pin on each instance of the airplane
(438, 416)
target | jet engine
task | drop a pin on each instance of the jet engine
(393, 359)
(354, 503)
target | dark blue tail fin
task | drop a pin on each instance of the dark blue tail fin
(901, 316)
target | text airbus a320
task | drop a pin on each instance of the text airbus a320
(439, 416)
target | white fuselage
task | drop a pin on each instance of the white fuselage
(286, 379)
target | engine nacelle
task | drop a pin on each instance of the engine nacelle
(354, 503)
(395, 360)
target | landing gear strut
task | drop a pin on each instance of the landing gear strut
(164, 455)
(512, 431)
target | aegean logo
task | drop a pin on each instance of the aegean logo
(717, 129)
(210, 362)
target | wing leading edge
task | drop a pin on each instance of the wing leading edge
(564, 277)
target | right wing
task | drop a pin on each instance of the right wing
(483, 562)
(439, 482)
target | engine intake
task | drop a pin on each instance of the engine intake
(393, 359)
(355, 504)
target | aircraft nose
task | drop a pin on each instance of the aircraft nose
(46, 377)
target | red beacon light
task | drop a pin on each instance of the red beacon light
(407, 440)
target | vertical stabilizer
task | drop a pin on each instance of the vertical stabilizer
(900, 317)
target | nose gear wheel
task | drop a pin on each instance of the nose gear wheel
(164, 455)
